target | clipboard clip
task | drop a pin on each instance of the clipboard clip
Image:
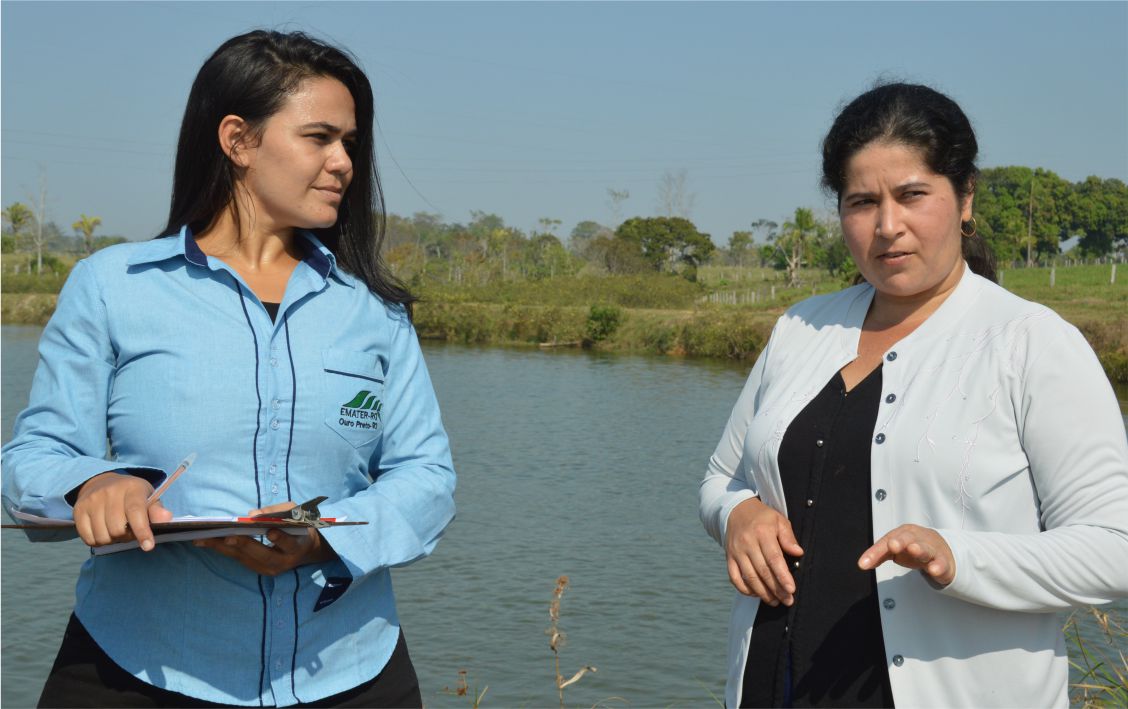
(305, 514)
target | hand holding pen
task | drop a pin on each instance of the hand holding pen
(112, 507)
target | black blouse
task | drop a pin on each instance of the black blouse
(826, 649)
(271, 310)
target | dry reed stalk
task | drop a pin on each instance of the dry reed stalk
(1104, 671)
(462, 689)
(557, 639)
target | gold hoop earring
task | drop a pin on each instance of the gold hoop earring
(974, 229)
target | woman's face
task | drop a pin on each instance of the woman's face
(299, 170)
(901, 221)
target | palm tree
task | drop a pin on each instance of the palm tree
(18, 216)
(85, 227)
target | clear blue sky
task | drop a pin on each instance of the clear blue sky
(534, 110)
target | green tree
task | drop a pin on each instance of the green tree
(583, 234)
(85, 227)
(547, 257)
(617, 256)
(798, 241)
(1023, 213)
(548, 225)
(19, 217)
(830, 251)
(667, 243)
(740, 243)
(1100, 214)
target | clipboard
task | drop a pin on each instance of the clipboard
(296, 521)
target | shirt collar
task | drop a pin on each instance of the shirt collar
(316, 255)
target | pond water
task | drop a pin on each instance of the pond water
(570, 463)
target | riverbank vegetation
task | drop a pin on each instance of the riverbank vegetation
(659, 285)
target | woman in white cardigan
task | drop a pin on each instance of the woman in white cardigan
(923, 468)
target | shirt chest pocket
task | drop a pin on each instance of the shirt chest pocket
(354, 384)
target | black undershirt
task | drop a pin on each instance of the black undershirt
(827, 648)
(272, 310)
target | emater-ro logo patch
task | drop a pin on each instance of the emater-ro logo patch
(362, 411)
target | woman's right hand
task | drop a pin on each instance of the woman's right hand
(755, 544)
(112, 507)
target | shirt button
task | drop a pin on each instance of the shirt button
(880, 437)
(819, 443)
(891, 356)
(278, 624)
(889, 604)
(273, 361)
(274, 488)
(810, 503)
(278, 601)
(276, 403)
(274, 468)
(890, 399)
(880, 495)
(898, 660)
(274, 425)
(278, 665)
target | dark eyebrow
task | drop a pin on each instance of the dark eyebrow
(898, 188)
(327, 127)
(855, 195)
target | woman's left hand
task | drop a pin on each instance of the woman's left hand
(914, 547)
(288, 551)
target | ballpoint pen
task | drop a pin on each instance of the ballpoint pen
(184, 465)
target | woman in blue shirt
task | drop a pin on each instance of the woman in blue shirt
(263, 331)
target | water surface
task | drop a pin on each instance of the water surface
(569, 463)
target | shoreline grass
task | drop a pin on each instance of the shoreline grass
(727, 315)
(709, 331)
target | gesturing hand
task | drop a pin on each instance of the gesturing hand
(112, 507)
(287, 551)
(914, 547)
(755, 544)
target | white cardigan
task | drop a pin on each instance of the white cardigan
(997, 428)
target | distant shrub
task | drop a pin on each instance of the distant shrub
(602, 322)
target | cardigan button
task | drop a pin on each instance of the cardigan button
(880, 495)
(891, 356)
(819, 443)
(889, 604)
(898, 660)
(890, 399)
(880, 438)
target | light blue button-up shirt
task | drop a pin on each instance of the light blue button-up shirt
(162, 350)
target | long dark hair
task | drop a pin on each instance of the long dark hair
(250, 76)
(921, 117)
